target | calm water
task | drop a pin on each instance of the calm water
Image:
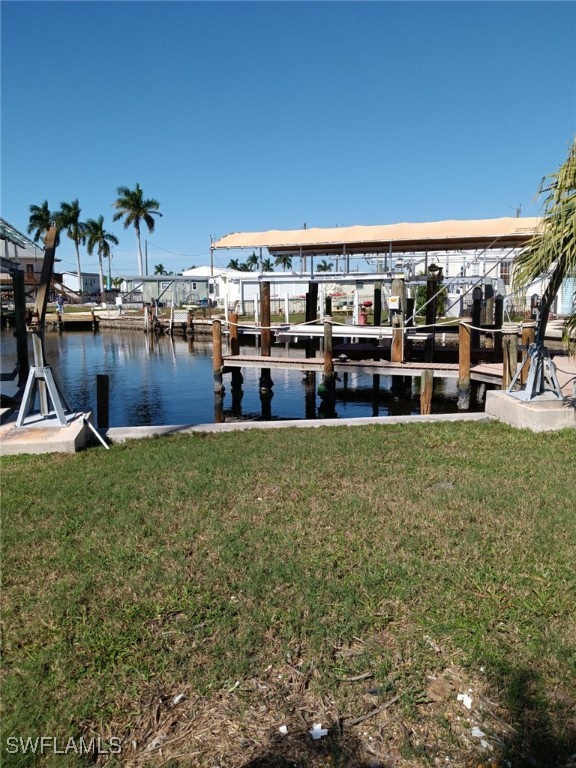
(157, 381)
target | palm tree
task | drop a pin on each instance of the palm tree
(40, 221)
(552, 252)
(283, 260)
(267, 265)
(233, 264)
(252, 262)
(159, 269)
(134, 208)
(68, 218)
(97, 237)
(324, 266)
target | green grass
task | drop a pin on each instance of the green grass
(193, 562)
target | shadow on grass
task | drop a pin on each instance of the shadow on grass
(546, 728)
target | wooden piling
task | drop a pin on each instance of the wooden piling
(528, 333)
(377, 303)
(510, 362)
(498, 320)
(266, 332)
(328, 355)
(464, 344)
(426, 389)
(234, 336)
(20, 331)
(190, 323)
(476, 317)
(102, 401)
(396, 355)
(217, 359)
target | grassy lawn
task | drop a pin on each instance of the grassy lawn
(191, 595)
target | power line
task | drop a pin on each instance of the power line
(175, 253)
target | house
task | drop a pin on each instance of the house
(20, 252)
(166, 290)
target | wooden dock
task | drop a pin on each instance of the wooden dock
(485, 373)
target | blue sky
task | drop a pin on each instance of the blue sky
(241, 116)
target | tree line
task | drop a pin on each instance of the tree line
(265, 265)
(131, 207)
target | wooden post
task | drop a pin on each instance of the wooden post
(396, 355)
(426, 389)
(510, 362)
(234, 340)
(328, 358)
(266, 332)
(190, 323)
(102, 401)
(328, 306)
(20, 331)
(528, 333)
(377, 303)
(476, 317)
(236, 373)
(218, 362)
(408, 343)
(464, 364)
(498, 320)
(328, 386)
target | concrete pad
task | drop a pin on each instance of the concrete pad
(542, 415)
(44, 436)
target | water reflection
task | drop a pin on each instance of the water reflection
(158, 380)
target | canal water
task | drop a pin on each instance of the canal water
(159, 380)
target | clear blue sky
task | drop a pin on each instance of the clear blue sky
(241, 116)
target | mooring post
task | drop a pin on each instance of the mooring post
(266, 382)
(234, 336)
(328, 386)
(190, 323)
(476, 317)
(266, 331)
(396, 355)
(377, 303)
(218, 361)
(20, 326)
(498, 320)
(510, 362)
(236, 373)
(528, 333)
(102, 401)
(464, 354)
(426, 390)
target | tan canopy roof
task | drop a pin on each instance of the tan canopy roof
(405, 237)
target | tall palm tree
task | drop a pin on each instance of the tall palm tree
(160, 269)
(97, 237)
(324, 266)
(234, 264)
(267, 265)
(40, 221)
(68, 218)
(283, 260)
(553, 251)
(134, 208)
(252, 262)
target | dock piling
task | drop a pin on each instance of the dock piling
(464, 339)
(217, 356)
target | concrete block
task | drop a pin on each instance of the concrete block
(44, 436)
(537, 415)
